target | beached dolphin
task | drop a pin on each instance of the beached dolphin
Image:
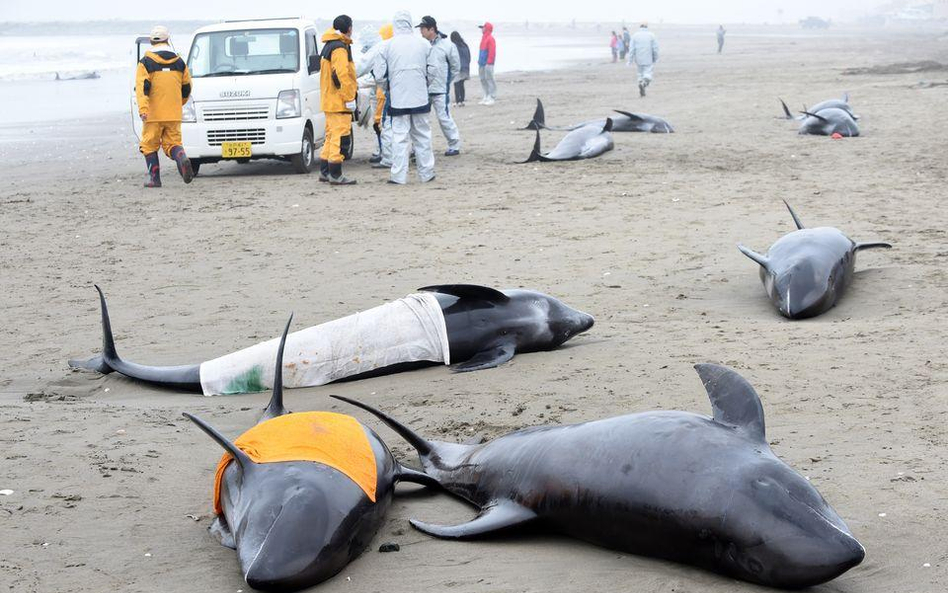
(474, 326)
(624, 122)
(829, 121)
(582, 143)
(675, 485)
(807, 271)
(829, 103)
(83, 76)
(299, 496)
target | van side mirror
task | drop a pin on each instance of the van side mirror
(314, 63)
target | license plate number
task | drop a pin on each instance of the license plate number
(236, 150)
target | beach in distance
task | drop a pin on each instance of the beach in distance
(111, 486)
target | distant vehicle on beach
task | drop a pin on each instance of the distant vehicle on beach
(814, 22)
(255, 93)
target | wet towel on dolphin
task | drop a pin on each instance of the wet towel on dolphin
(410, 329)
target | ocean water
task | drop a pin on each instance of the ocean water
(29, 91)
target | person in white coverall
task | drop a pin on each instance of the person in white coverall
(371, 45)
(403, 67)
(644, 52)
(444, 63)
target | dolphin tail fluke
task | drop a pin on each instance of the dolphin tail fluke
(539, 118)
(494, 518)
(96, 364)
(786, 110)
(414, 439)
(873, 245)
(535, 154)
(608, 126)
(796, 219)
(760, 259)
(275, 408)
(242, 458)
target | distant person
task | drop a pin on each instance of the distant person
(464, 54)
(720, 34)
(372, 44)
(626, 41)
(644, 52)
(443, 66)
(403, 66)
(162, 87)
(338, 89)
(485, 64)
(614, 46)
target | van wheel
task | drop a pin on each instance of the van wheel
(303, 162)
(196, 166)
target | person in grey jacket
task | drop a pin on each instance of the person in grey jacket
(644, 52)
(443, 66)
(403, 66)
(464, 52)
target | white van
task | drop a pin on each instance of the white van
(254, 93)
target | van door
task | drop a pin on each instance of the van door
(142, 44)
(309, 86)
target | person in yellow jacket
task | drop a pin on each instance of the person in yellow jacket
(162, 86)
(338, 88)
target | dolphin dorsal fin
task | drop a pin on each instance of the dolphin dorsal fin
(608, 126)
(786, 110)
(796, 219)
(275, 408)
(629, 115)
(733, 400)
(760, 259)
(469, 291)
(243, 460)
(819, 117)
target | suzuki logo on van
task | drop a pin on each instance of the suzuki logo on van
(234, 94)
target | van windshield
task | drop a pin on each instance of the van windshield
(232, 53)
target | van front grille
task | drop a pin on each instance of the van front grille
(235, 113)
(252, 135)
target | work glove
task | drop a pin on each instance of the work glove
(351, 105)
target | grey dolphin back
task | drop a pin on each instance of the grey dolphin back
(734, 401)
(473, 291)
(496, 517)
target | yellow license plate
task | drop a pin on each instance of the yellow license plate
(236, 150)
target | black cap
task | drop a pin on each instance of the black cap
(427, 22)
(342, 23)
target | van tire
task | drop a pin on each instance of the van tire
(305, 160)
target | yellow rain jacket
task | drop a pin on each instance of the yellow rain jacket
(162, 84)
(337, 73)
(386, 32)
(331, 439)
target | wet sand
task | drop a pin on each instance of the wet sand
(112, 487)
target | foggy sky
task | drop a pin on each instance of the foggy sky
(673, 11)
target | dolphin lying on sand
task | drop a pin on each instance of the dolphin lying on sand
(582, 143)
(829, 103)
(624, 122)
(829, 121)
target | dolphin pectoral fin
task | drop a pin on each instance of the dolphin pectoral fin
(473, 291)
(760, 259)
(221, 531)
(819, 117)
(796, 219)
(872, 245)
(486, 359)
(96, 363)
(733, 400)
(493, 518)
(629, 115)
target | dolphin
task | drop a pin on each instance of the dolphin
(624, 122)
(582, 143)
(295, 524)
(829, 103)
(807, 271)
(829, 121)
(701, 490)
(484, 328)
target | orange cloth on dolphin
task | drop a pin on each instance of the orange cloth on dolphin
(335, 440)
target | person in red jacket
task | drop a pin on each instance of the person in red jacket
(485, 64)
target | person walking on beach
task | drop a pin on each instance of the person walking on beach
(403, 67)
(644, 52)
(485, 64)
(614, 46)
(626, 40)
(443, 66)
(162, 87)
(720, 34)
(338, 88)
(464, 54)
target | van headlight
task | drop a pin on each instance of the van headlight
(188, 113)
(288, 104)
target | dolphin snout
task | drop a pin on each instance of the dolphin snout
(586, 321)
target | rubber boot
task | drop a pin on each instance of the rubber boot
(323, 170)
(642, 89)
(336, 177)
(154, 173)
(184, 163)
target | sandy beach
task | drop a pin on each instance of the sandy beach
(112, 487)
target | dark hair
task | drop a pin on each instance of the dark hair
(456, 37)
(342, 23)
